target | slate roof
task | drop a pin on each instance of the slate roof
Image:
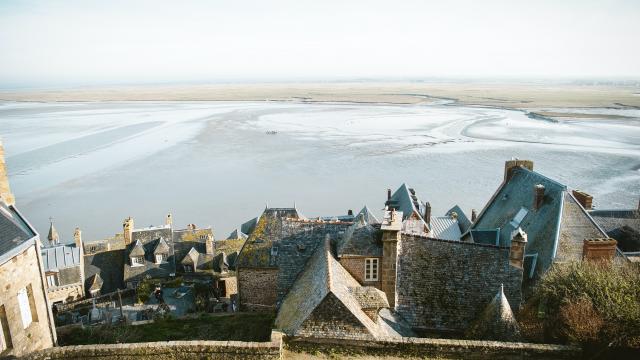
(405, 200)
(60, 257)
(137, 249)
(144, 243)
(361, 239)
(613, 220)
(14, 230)
(369, 297)
(95, 282)
(496, 321)
(445, 228)
(110, 266)
(237, 234)
(463, 220)
(541, 225)
(368, 215)
(256, 251)
(161, 247)
(323, 278)
(191, 258)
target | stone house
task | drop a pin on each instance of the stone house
(64, 268)
(26, 319)
(555, 221)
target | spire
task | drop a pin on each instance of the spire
(496, 322)
(53, 237)
(5, 192)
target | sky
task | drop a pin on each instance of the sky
(85, 42)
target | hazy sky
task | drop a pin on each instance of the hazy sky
(51, 43)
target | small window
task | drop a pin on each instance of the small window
(371, 269)
(52, 279)
(161, 258)
(5, 335)
(519, 217)
(25, 308)
(137, 261)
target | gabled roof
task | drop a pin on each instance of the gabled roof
(405, 200)
(95, 282)
(368, 216)
(323, 278)
(191, 258)
(496, 321)
(516, 196)
(60, 257)
(161, 247)
(137, 249)
(14, 230)
(361, 239)
(256, 251)
(445, 228)
(463, 220)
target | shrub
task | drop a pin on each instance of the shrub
(585, 302)
(144, 289)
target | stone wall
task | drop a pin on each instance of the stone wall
(62, 293)
(16, 274)
(355, 266)
(435, 348)
(444, 285)
(257, 288)
(177, 350)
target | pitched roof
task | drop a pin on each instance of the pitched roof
(161, 247)
(323, 277)
(256, 251)
(445, 228)
(361, 239)
(14, 230)
(237, 234)
(110, 265)
(513, 201)
(191, 258)
(463, 220)
(496, 321)
(368, 216)
(95, 282)
(369, 297)
(60, 257)
(406, 200)
(137, 249)
(612, 220)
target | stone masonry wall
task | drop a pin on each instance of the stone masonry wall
(445, 285)
(435, 348)
(175, 350)
(257, 288)
(355, 267)
(20, 272)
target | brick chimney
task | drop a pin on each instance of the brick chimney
(584, 199)
(391, 227)
(602, 250)
(209, 245)
(474, 215)
(427, 213)
(516, 251)
(538, 196)
(5, 191)
(127, 228)
(514, 163)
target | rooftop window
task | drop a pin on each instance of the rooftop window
(518, 218)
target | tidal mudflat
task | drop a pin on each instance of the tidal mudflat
(90, 164)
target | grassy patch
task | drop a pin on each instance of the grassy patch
(240, 327)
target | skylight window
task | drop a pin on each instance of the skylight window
(519, 216)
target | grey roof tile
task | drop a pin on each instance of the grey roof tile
(13, 229)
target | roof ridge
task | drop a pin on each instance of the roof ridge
(327, 250)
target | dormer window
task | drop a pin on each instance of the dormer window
(137, 261)
(161, 258)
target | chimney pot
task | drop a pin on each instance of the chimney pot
(350, 212)
(388, 194)
(538, 196)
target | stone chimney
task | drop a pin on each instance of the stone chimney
(512, 164)
(538, 196)
(584, 199)
(518, 244)
(391, 227)
(53, 237)
(169, 220)
(127, 228)
(427, 213)
(77, 238)
(209, 244)
(5, 191)
(388, 194)
(474, 215)
(602, 250)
